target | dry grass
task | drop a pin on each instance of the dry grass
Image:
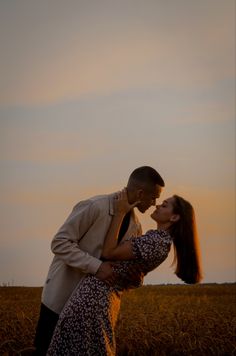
(178, 320)
(154, 320)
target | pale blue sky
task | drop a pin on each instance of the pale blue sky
(91, 90)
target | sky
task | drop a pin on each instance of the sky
(91, 90)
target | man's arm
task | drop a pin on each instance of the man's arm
(65, 243)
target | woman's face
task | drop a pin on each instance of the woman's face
(164, 212)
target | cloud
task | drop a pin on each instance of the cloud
(192, 51)
(90, 92)
(23, 144)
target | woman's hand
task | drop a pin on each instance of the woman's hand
(110, 249)
(121, 203)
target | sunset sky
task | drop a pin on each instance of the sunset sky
(89, 91)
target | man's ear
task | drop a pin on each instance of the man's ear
(175, 218)
(139, 194)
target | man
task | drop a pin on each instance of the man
(77, 247)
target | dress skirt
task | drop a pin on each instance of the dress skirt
(86, 324)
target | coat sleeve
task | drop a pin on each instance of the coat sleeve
(65, 242)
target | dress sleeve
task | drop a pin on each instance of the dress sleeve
(151, 249)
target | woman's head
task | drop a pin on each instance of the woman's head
(177, 215)
(165, 214)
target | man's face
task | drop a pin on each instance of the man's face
(148, 198)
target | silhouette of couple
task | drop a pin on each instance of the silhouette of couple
(99, 252)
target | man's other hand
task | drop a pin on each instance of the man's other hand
(135, 276)
(106, 274)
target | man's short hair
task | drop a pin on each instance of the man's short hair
(146, 175)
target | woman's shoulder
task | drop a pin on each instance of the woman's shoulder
(153, 247)
(152, 234)
(158, 234)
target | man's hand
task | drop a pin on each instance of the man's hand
(135, 276)
(106, 274)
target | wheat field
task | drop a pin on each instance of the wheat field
(154, 320)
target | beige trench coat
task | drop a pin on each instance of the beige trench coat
(77, 247)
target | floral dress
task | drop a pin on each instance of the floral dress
(86, 324)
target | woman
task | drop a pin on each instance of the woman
(86, 324)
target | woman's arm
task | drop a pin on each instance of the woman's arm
(111, 250)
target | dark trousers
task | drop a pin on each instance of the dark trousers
(44, 330)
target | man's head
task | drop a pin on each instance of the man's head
(145, 185)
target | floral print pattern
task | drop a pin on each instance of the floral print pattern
(86, 324)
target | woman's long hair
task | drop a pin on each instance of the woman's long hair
(185, 239)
